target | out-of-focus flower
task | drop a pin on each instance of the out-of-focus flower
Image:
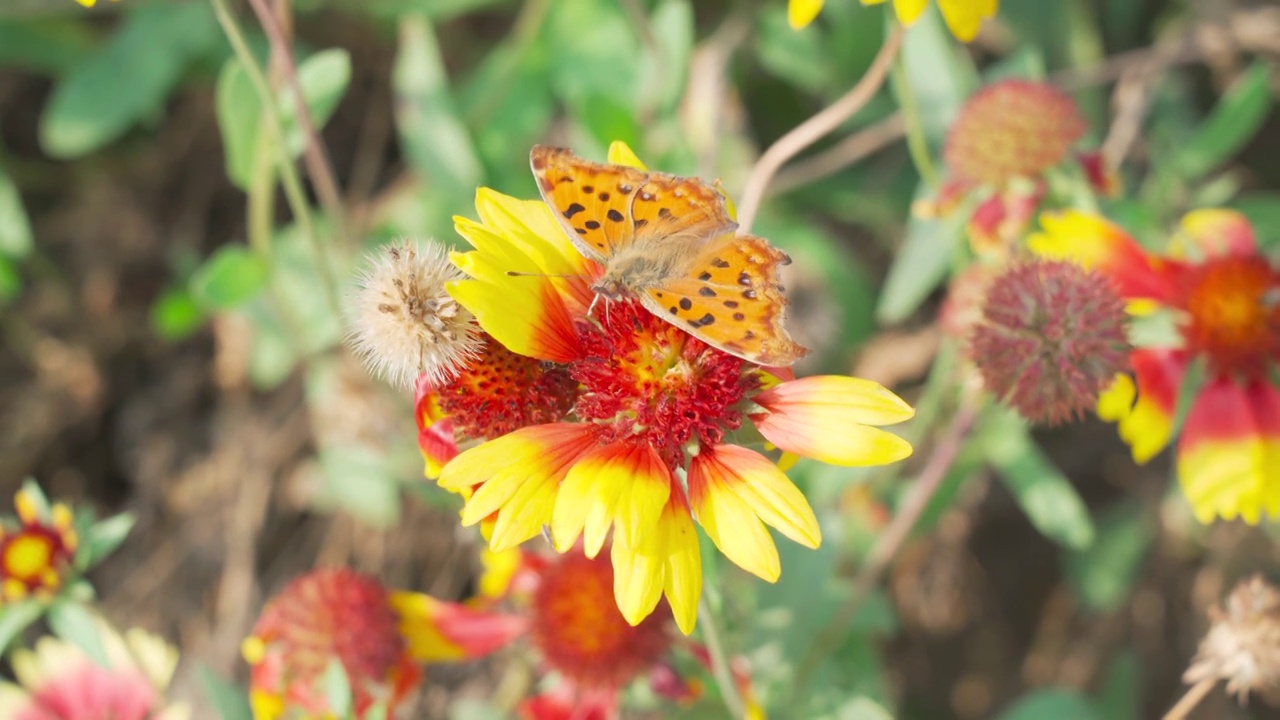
(653, 403)
(963, 17)
(1219, 291)
(1052, 338)
(566, 611)
(36, 555)
(57, 681)
(91, 3)
(322, 616)
(1243, 642)
(1006, 137)
(404, 324)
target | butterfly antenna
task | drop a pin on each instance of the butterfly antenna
(517, 273)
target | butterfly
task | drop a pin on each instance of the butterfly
(669, 242)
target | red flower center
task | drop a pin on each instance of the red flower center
(580, 631)
(645, 378)
(1234, 314)
(501, 392)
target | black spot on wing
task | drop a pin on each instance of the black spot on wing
(614, 215)
(573, 209)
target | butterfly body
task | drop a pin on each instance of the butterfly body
(670, 243)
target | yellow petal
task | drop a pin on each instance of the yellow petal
(964, 17)
(621, 153)
(909, 11)
(802, 12)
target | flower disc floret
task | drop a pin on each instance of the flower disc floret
(35, 557)
(501, 392)
(576, 625)
(645, 379)
(1233, 314)
(1014, 128)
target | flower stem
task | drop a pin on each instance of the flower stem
(720, 669)
(813, 129)
(288, 174)
(891, 540)
(1191, 699)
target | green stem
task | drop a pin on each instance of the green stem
(288, 173)
(917, 143)
(720, 669)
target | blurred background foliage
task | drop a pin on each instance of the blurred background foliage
(172, 305)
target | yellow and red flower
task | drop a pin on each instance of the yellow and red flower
(963, 17)
(998, 150)
(56, 680)
(379, 636)
(655, 412)
(1222, 293)
(563, 606)
(36, 555)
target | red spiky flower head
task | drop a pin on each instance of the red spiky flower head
(1013, 128)
(322, 616)
(1052, 339)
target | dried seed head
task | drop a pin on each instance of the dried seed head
(1243, 644)
(1052, 337)
(1014, 128)
(403, 321)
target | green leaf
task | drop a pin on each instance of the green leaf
(1049, 500)
(1053, 703)
(44, 46)
(227, 699)
(16, 617)
(127, 80)
(337, 688)
(435, 140)
(595, 52)
(239, 111)
(74, 622)
(798, 57)
(10, 280)
(228, 279)
(863, 708)
(923, 261)
(324, 78)
(1103, 574)
(176, 314)
(940, 73)
(102, 539)
(1233, 122)
(357, 479)
(662, 74)
(15, 228)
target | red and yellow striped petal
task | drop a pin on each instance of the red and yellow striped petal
(665, 561)
(1144, 411)
(435, 430)
(1229, 452)
(828, 418)
(522, 236)
(1213, 232)
(625, 484)
(734, 493)
(1100, 245)
(439, 631)
(518, 476)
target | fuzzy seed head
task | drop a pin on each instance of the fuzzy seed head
(404, 323)
(1243, 643)
(1014, 128)
(1052, 338)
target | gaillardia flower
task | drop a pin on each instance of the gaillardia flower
(36, 555)
(1221, 293)
(58, 681)
(1052, 337)
(998, 150)
(963, 17)
(564, 607)
(657, 416)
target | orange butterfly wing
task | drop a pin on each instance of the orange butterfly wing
(606, 207)
(732, 300)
